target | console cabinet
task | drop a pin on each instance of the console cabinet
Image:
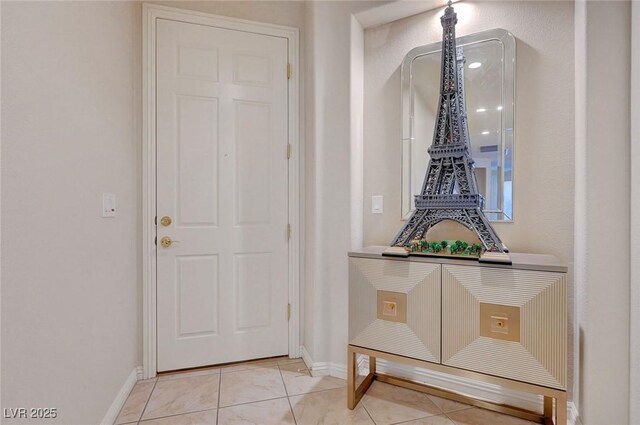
(494, 323)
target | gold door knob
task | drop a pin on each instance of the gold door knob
(165, 221)
(166, 241)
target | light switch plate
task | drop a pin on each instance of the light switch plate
(377, 203)
(108, 205)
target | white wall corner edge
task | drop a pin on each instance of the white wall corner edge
(337, 370)
(573, 417)
(316, 368)
(112, 414)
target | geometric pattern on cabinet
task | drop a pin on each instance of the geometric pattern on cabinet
(419, 337)
(539, 356)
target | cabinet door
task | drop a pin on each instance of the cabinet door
(504, 322)
(394, 306)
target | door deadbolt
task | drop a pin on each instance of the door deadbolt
(165, 221)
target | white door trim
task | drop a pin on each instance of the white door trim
(150, 15)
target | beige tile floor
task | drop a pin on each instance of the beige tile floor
(283, 392)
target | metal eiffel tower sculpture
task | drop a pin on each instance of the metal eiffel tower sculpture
(450, 189)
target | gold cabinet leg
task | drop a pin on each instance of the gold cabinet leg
(356, 392)
(548, 407)
(561, 409)
(372, 364)
(351, 379)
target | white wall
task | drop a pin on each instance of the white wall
(544, 118)
(602, 208)
(70, 113)
(71, 293)
(356, 76)
(634, 399)
(328, 193)
(544, 131)
(333, 87)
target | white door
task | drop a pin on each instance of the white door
(221, 126)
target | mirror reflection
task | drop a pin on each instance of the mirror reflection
(489, 85)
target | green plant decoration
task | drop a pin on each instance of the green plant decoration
(458, 247)
(423, 245)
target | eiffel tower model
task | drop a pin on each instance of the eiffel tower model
(450, 189)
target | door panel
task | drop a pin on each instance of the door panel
(252, 281)
(222, 286)
(252, 149)
(197, 291)
(197, 161)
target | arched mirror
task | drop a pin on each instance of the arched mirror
(489, 74)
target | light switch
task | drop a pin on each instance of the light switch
(108, 205)
(377, 204)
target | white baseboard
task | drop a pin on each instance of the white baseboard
(494, 393)
(486, 391)
(482, 390)
(316, 368)
(118, 402)
(323, 368)
(338, 370)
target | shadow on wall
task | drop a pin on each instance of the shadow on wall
(451, 230)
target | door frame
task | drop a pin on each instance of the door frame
(150, 15)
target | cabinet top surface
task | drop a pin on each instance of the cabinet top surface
(521, 261)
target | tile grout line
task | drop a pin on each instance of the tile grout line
(287, 395)
(186, 375)
(173, 415)
(252, 402)
(250, 367)
(452, 421)
(256, 401)
(295, 421)
(365, 409)
(219, 396)
(442, 413)
(315, 391)
(147, 402)
(140, 421)
(248, 370)
(279, 398)
(171, 377)
(426, 417)
(124, 404)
